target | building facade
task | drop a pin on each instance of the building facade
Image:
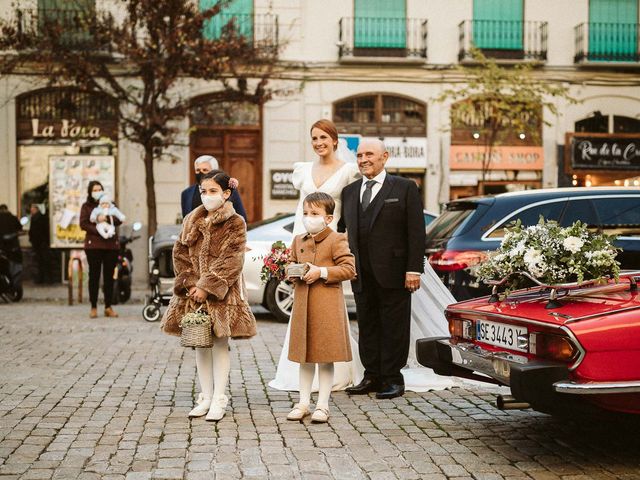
(375, 67)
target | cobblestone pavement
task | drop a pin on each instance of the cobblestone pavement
(108, 398)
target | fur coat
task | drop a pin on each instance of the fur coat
(210, 254)
(319, 322)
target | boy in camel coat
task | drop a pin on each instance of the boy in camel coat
(319, 322)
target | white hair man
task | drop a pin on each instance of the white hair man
(190, 197)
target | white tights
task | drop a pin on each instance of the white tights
(213, 366)
(325, 382)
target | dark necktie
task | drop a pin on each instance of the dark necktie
(366, 196)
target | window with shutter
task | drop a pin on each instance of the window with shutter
(498, 24)
(613, 30)
(238, 11)
(380, 24)
(72, 16)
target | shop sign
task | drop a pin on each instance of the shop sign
(282, 185)
(406, 152)
(69, 176)
(63, 129)
(472, 157)
(605, 153)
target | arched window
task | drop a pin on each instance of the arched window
(599, 123)
(381, 115)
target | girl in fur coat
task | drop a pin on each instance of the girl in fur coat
(208, 259)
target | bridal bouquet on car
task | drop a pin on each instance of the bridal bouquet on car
(551, 254)
(274, 264)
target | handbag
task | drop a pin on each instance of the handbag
(196, 331)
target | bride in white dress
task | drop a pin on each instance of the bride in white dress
(334, 169)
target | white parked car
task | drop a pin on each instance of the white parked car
(275, 296)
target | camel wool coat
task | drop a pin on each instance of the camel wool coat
(319, 322)
(210, 254)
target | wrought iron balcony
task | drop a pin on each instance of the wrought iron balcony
(71, 28)
(259, 30)
(607, 42)
(503, 39)
(383, 37)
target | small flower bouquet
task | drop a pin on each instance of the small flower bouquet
(274, 264)
(195, 318)
(551, 254)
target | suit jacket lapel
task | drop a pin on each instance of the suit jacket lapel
(354, 202)
(386, 188)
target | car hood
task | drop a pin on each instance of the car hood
(574, 306)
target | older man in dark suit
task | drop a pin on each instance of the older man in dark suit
(383, 217)
(190, 196)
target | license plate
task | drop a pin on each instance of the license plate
(499, 334)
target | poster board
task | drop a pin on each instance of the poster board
(69, 176)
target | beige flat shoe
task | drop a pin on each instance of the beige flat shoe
(93, 313)
(321, 415)
(110, 312)
(299, 412)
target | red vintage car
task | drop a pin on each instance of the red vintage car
(579, 351)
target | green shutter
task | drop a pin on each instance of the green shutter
(63, 12)
(380, 24)
(498, 24)
(613, 29)
(240, 10)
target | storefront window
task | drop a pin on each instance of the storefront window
(62, 121)
(625, 124)
(381, 115)
(598, 123)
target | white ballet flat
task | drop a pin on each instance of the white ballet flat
(299, 412)
(201, 408)
(321, 415)
(217, 408)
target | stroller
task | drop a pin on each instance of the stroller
(161, 274)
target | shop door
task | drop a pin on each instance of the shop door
(239, 154)
(613, 30)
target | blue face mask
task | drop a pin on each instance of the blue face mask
(96, 195)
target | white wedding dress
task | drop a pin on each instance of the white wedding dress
(427, 304)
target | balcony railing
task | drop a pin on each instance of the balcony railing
(261, 30)
(71, 28)
(607, 42)
(383, 37)
(503, 39)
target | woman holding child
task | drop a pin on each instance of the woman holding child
(101, 245)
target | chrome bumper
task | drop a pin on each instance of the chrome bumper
(594, 388)
(530, 381)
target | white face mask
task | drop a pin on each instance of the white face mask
(96, 195)
(212, 202)
(313, 225)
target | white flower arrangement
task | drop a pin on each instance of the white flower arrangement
(551, 254)
(195, 318)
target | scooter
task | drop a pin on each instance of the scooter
(124, 267)
(10, 268)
